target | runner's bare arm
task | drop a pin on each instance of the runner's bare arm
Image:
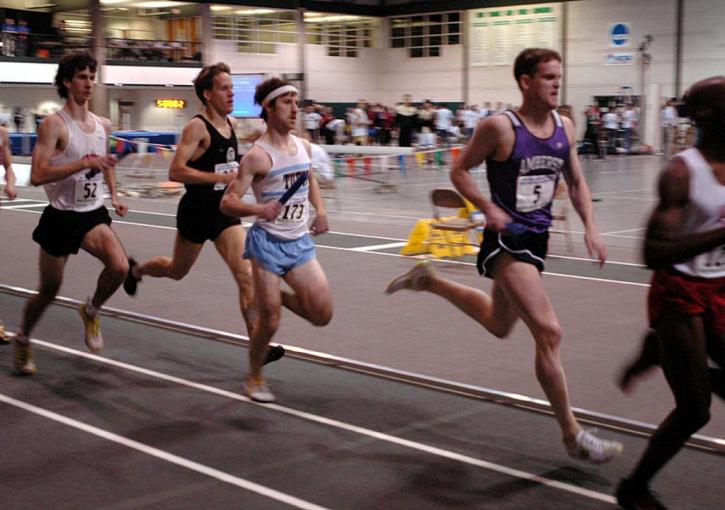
(255, 162)
(664, 244)
(192, 143)
(109, 175)
(7, 160)
(581, 197)
(486, 137)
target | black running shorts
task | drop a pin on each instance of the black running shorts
(528, 247)
(199, 219)
(61, 233)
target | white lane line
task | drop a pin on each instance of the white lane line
(379, 246)
(164, 455)
(594, 260)
(122, 222)
(623, 231)
(24, 206)
(368, 249)
(463, 263)
(432, 450)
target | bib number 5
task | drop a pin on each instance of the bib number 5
(534, 192)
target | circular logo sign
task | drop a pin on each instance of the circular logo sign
(619, 34)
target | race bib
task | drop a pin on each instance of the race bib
(710, 262)
(534, 191)
(294, 212)
(88, 189)
(224, 168)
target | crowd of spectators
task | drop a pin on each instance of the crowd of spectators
(425, 124)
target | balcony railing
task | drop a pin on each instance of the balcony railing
(50, 47)
(152, 51)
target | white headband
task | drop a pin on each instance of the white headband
(284, 89)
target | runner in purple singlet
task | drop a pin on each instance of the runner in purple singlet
(526, 151)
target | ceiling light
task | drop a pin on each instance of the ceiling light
(157, 4)
(252, 12)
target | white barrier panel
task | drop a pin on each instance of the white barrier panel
(369, 150)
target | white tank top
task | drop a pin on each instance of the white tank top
(81, 191)
(292, 221)
(705, 211)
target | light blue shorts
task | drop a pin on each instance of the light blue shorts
(278, 256)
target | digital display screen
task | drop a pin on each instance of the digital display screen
(170, 103)
(243, 86)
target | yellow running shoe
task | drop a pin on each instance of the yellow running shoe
(256, 389)
(4, 335)
(23, 360)
(94, 339)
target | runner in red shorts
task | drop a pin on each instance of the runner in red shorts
(685, 244)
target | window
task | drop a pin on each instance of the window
(342, 35)
(254, 30)
(424, 35)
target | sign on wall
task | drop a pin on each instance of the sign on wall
(174, 104)
(620, 59)
(620, 34)
(499, 34)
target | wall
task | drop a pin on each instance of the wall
(704, 40)
(588, 46)
(145, 115)
(437, 78)
(383, 75)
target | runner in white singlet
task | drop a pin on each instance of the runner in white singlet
(70, 159)
(278, 244)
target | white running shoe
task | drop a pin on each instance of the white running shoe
(23, 357)
(594, 449)
(411, 279)
(256, 389)
(94, 339)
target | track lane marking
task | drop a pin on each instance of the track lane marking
(163, 455)
(414, 445)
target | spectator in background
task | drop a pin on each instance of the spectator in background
(312, 121)
(668, 121)
(325, 129)
(388, 122)
(426, 116)
(23, 33)
(359, 123)
(19, 119)
(610, 123)
(629, 118)
(9, 37)
(405, 120)
(591, 135)
(443, 123)
(468, 117)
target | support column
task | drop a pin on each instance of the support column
(679, 21)
(301, 53)
(99, 101)
(564, 50)
(465, 79)
(206, 34)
